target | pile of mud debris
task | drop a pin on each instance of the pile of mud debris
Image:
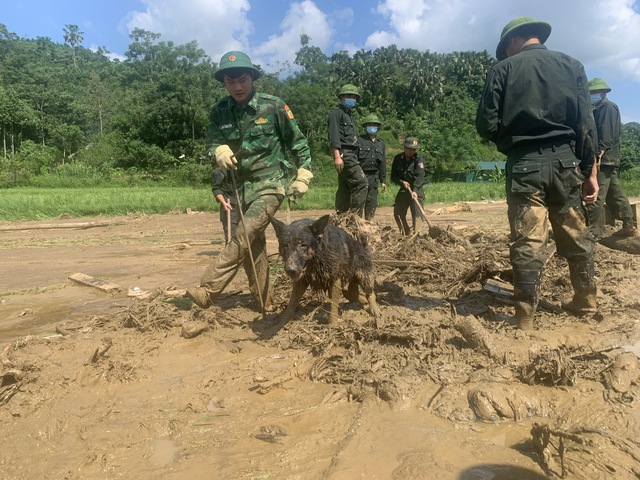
(445, 299)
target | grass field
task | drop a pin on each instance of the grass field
(42, 203)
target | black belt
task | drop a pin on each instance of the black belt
(540, 147)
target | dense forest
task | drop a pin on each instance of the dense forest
(73, 112)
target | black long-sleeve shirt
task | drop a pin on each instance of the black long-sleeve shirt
(409, 170)
(538, 96)
(609, 126)
(342, 129)
(373, 157)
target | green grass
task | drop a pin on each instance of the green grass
(30, 203)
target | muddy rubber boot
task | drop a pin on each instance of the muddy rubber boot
(525, 297)
(583, 279)
(200, 296)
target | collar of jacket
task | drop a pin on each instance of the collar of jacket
(252, 103)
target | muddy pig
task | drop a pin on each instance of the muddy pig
(327, 258)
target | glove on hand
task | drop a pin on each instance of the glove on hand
(225, 158)
(299, 186)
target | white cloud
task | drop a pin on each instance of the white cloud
(604, 34)
(217, 25)
(303, 17)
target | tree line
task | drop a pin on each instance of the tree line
(70, 110)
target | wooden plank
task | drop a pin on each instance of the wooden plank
(46, 226)
(506, 290)
(89, 281)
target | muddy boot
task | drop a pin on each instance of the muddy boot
(584, 287)
(627, 231)
(525, 297)
(200, 296)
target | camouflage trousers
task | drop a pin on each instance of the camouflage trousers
(546, 184)
(352, 185)
(612, 196)
(236, 253)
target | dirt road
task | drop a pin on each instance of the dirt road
(98, 385)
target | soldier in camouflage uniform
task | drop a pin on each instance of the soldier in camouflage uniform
(611, 195)
(343, 139)
(534, 107)
(372, 156)
(248, 134)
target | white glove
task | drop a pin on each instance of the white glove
(225, 158)
(299, 186)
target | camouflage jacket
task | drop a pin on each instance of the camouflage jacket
(260, 134)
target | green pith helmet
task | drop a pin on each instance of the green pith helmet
(596, 84)
(371, 118)
(349, 89)
(235, 60)
(411, 142)
(542, 29)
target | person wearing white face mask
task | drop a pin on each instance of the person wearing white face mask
(610, 196)
(373, 160)
(343, 140)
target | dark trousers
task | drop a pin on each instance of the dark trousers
(371, 202)
(352, 185)
(405, 202)
(610, 196)
(542, 184)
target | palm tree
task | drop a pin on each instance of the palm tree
(73, 37)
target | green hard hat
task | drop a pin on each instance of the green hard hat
(598, 84)
(235, 60)
(371, 118)
(541, 29)
(349, 89)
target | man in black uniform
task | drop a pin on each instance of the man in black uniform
(373, 160)
(343, 139)
(534, 107)
(407, 170)
(611, 195)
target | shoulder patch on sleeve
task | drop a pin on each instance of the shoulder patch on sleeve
(288, 112)
(421, 165)
(266, 96)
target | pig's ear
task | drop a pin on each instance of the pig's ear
(277, 225)
(317, 227)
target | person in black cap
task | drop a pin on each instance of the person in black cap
(535, 107)
(407, 171)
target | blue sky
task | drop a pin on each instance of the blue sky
(603, 34)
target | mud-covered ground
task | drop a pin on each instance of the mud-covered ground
(138, 383)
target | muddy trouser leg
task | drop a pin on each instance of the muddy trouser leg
(342, 194)
(371, 204)
(574, 239)
(617, 200)
(414, 210)
(357, 181)
(595, 211)
(259, 251)
(256, 218)
(400, 207)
